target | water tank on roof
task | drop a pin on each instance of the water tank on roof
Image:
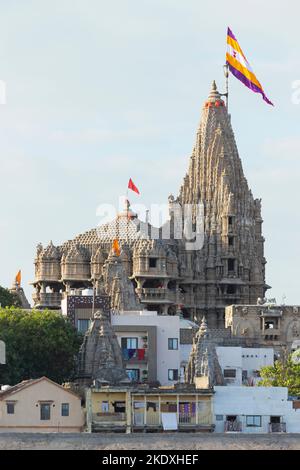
(5, 387)
(87, 292)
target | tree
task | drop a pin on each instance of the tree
(282, 374)
(7, 299)
(38, 343)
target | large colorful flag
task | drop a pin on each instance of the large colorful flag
(18, 278)
(116, 247)
(240, 67)
(132, 186)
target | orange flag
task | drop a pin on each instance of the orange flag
(116, 247)
(18, 278)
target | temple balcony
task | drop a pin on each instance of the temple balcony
(47, 300)
(271, 334)
(150, 274)
(160, 295)
(229, 297)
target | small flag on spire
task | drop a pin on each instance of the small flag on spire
(116, 247)
(240, 67)
(132, 186)
(18, 278)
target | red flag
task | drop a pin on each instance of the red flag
(132, 186)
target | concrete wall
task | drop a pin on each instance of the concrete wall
(256, 358)
(244, 359)
(231, 358)
(254, 401)
(26, 417)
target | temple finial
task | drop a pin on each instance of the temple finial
(214, 95)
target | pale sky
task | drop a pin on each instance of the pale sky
(99, 91)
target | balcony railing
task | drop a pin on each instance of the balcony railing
(47, 299)
(108, 417)
(233, 426)
(187, 418)
(160, 293)
(277, 427)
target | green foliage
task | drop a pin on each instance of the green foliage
(282, 374)
(38, 343)
(7, 299)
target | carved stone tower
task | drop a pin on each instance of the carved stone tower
(230, 268)
(204, 370)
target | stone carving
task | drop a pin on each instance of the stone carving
(295, 329)
(100, 356)
(203, 368)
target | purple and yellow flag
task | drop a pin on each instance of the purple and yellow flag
(240, 67)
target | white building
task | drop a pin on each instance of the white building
(254, 410)
(241, 366)
(150, 345)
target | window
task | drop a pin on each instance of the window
(253, 421)
(83, 325)
(105, 407)
(230, 241)
(172, 343)
(173, 374)
(219, 418)
(244, 375)
(133, 374)
(230, 220)
(229, 373)
(45, 411)
(119, 406)
(10, 408)
(129, 343)
(231, 289)
(65, 409)
(275, 419)
(231, 263)
(152, 262)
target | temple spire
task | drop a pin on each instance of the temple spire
(214, 94)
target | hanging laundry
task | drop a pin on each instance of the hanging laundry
(141, 354)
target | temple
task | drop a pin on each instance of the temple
(169, 275)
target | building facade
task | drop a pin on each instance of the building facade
(254, 410)
(276, 326)
(136, 409)
(40, 405)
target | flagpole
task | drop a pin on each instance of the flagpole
(226, 73)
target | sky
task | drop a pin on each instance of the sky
(98, 91)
